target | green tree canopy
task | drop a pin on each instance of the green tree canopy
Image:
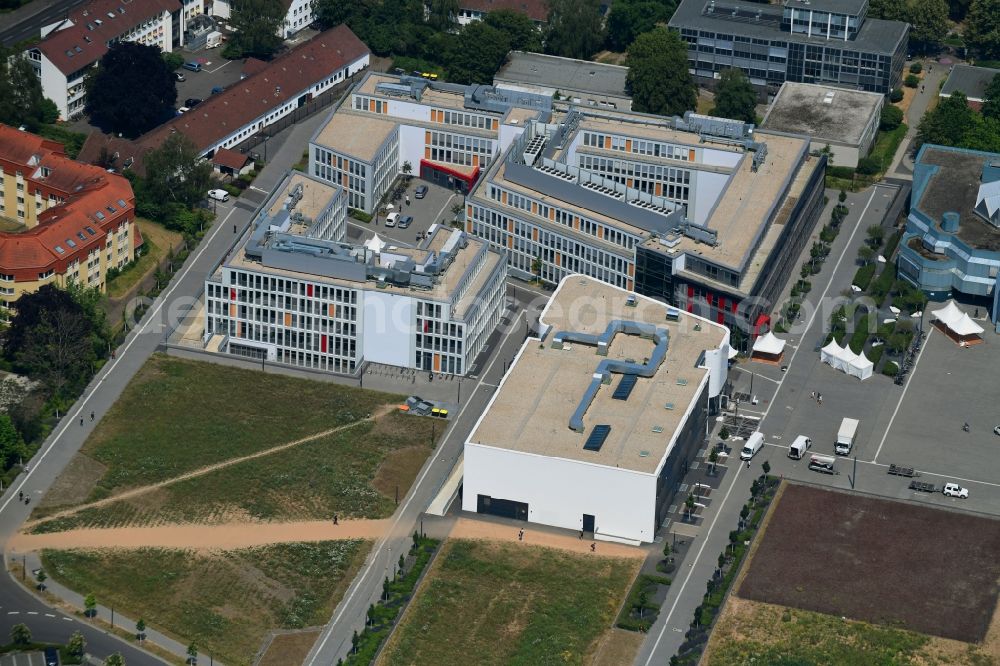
(735, 97)
(12, 446)
(523, 33)
(947, 124)
(257, 25)
(479, 51)
(175, 174)
(658, 76)
(151, 87)
(631, 18)
(991, 107)
(441, 14)
(115, 659)
(928, 23)
(890, 10)
(20, 634)
(575, 28)
(21, 99)
(982, 28)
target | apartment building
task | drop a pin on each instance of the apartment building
(704, 213)
(598, 418)
(79, 219)
(72, 46)
(298, 14)
(441, 132)
(806, 41)
(475, 10)
(293, 292)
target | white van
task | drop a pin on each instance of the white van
(799, 447)
(218, 195)
(753, 445)
(391, 219)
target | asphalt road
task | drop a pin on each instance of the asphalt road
(27, 21)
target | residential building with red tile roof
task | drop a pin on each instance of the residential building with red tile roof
(298, 14)
(79, 219)
(475, 10)
(72, 46)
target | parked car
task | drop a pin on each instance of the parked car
(182, 110)
(192, 102)
(216, 90)
(420, 192)
(955, 490)
(51, 656)
(996, 430)
(179, 76)
(218, 195)
(192, 66)
(405, 221)
(391, 219)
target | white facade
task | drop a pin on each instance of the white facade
(299, 15)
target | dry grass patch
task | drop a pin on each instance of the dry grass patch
(618, 647)
(288, 649)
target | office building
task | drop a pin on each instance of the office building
(951, 246)
(79, 220)
(830, 42)
(569, 81)
(595, 423)
(293, 292)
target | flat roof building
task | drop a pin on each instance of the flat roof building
(952, 241)
(845, 120)
(596, 420)
(970, 81)
(821, 41)
(293, 292)
(579, 82)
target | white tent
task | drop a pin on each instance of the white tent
(965, 326)
(375, 244)
(860, 367)
(732, 353)
(831, 353)
(769, 344)
(948, 314)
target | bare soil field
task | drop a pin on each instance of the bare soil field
(911, 567)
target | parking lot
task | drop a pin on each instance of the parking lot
(23, 659)
(435, 207)
(215, 71)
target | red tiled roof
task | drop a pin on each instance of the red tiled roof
(230, 159)
(252, 65)
(84, 42)
(285, 78)
(92, 207)
(537, 10)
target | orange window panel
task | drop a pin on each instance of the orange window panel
(628, 145)
(558, 259)
(534, 235)
(631, 270)
(239, 329)
(475, 160)
(468, 226)
(437, 362)
(630, 285)
(629, 182)
(576, 223)
(552, 214)
(343, 179)
(503, 198)
(659, 189)
(427, 138)
(427, 153)
(331, 311)
(468, 211)
(288, 319)
(607, 143)
(600, 231)
(510, 242)
(534, 208)
(232, 310)
(496, 123)
(691, 155)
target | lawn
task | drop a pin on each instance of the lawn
(156, 241)
(749, 632)
(492, 603)
(878, 560)
(178, 415)
(354, 472)
(227, 601)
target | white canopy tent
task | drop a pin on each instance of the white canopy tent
(860, 367)
(830, 354)
(958, 324)
(965, 326)
(769, 344)
(375, 244)
(845, 360)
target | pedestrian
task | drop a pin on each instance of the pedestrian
(336, 519)
(91, 415)
(819, 398)
(20, 495)
(234, 228)
(593, 547)
(114, 354)
(748, 464)
(81, 421)
(813, 395)
(520, 535)
(581, 534)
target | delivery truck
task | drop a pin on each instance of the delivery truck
(214, 39)
(845, 437)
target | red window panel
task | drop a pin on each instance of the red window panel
(309, 290)
(322, 342)
(232, 294)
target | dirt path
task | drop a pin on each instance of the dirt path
(466, 528)
(381, 411)
(201, 537)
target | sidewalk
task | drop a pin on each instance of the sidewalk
(104, 613)
(902, 162)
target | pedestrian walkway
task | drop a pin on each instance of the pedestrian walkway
(902, 162)
(529, 534)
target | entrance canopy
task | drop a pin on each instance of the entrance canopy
(769, 344)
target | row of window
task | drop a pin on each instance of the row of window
(284, 286)
(640, 146)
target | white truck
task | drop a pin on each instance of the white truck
(214, 39)
(845, 437)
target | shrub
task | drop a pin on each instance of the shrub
(916, 68)
(840, 172)
(911, 81)
(890, 369)
(173, 60)
(881, 287)
(896, 95)
(869, 166)
(863, 276)
(360, 215)
(891, 117)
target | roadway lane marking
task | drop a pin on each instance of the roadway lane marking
(68, 619)
(49, 615)
(377, 553)
(109, 368)
(902, 395)
(13, 612)
(32, 612)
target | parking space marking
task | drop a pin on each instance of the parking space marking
(888, 428)
(213, 71)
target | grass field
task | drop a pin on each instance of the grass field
(354, 472)
(228, 601)
(750, 632)
(177, 416)
(491, 603)
(878, 560)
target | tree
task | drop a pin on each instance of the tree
(713, 458)
(666, 549)
(115, 659)
(891, 118)
(536, 266)
(90, 605)
(575, 28)
(151, 86)
(354, 642)
(875, 234)
(50, 340)
(689, 505)
(643, 600)
(866, 254)
(12, 447)
(140, 629)
(631, 18)
(77, 644)
(21, 99)
(991, 107)
(192, 652)
(928, 23)
(478, 53)
(890, 10)
(329, 13)
(948, 123)
(257, 25)
(20, 634)
(658, 76)
(982, 28)
(441, 13)
(175, 173)
(734, 97)
(521, 31)
(766, 468)
(41, 577)
(724, 433)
